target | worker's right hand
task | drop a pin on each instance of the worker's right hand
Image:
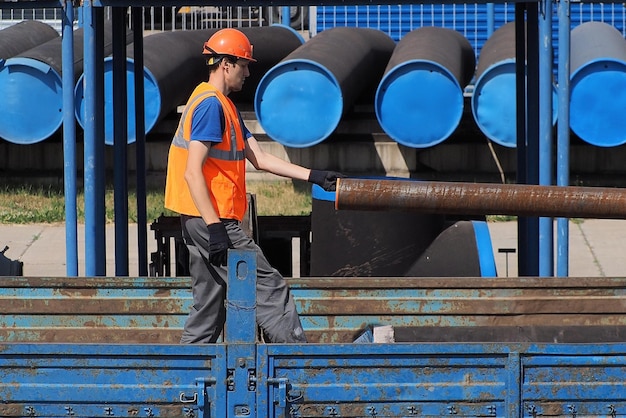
(327, 180)
(219, 243)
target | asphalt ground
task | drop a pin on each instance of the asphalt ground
(596, 248)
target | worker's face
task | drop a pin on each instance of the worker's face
(236, 74)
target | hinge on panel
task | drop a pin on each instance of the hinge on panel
(280, 395)
(195, 400)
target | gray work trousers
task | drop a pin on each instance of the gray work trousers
(276, 312)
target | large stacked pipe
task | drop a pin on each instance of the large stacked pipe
(300, 101)
(31, 87)
(23, 36)
(174, 66)
(481, 199)
(598, 84)
(493, 101)
(419, 101)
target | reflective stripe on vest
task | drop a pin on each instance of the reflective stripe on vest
(179, 141)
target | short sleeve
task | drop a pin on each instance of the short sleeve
(207, 122)
(246, 132)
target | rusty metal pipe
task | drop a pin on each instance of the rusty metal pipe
(481, 198)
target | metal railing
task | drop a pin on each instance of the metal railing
(474, 21)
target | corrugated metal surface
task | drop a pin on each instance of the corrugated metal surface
(153, 310)
(93, 310)
(336, 311)
(468, 380)
(469, 19)
(472, 20)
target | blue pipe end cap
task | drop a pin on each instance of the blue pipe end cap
(152, 101)
(298, 103)
(486, 259)
(494, 103)
(317, 193)
(597, 103)
(32, 95)
(419, 103)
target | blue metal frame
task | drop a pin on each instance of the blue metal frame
(244, 378)
(546, 240)
(94, 142)
(69, 142)
(120, 142)
(563, 132)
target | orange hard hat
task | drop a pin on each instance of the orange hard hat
(229, 42)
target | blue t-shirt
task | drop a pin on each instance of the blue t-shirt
(207, 123)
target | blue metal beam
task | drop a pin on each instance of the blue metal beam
(95, 256)
(120, 141)
(69, 142)
(140, 142)
(546, 238)
(563, 132)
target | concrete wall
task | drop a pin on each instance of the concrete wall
(358, 147)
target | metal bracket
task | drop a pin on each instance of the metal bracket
(280, 395)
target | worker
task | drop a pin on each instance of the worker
(205, 184)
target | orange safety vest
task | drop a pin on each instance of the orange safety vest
(224, 169)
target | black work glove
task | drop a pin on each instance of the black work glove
(219, 243)
(327, 180)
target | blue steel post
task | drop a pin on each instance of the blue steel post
(140, 142)
(520, 105)
(532, 134)
(562, 161)
(120, 141)
(94, 140)
(527, 85)
(69, 142)
(286, 16)
(240, 334)
(546, 231)
(514, 386)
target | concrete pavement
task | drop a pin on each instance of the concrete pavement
(42, 248)
(596, 248)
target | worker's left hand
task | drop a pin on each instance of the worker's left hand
(219, 243)
(327, 180)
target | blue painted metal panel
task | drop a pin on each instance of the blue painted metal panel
(384, 380)
(98, 380)
(575, 380)
(120, 310)
(499, 380)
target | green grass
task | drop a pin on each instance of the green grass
(38, 204)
